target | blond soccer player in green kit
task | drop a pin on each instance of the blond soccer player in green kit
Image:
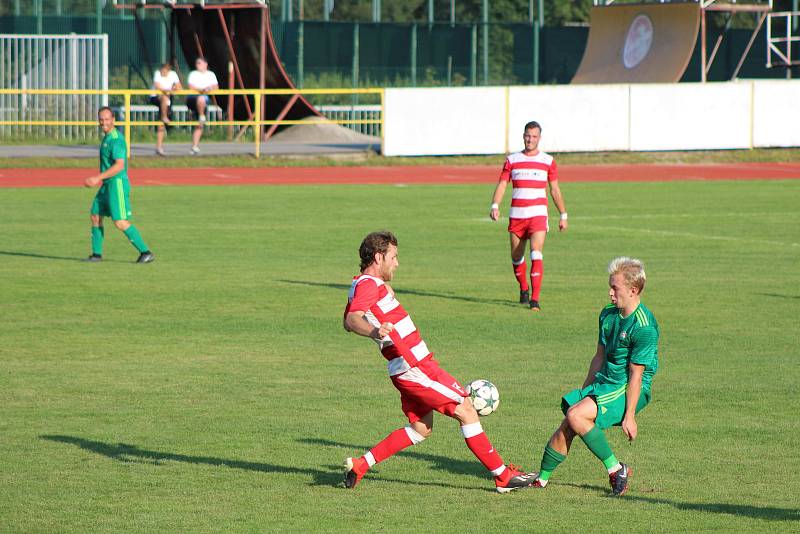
(619, 381)
(113, 198)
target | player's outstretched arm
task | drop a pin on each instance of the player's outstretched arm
(497, 198)
(558, 200)
(596, 364)
(629, 426)
(116, 168)
(356, 322)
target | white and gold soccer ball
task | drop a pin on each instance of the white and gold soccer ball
(484, 395)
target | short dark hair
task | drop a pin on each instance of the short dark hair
(533, 124)
(105, 108)
(375, 243)
(200, 58)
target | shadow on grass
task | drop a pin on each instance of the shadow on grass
(40, 256)
(458, 467)
(779, 296)
(46, 257)
(332, 475)
(769, 513)
(420, 293)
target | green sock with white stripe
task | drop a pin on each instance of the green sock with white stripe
(596, 441)
(136, 239)
(551, 459)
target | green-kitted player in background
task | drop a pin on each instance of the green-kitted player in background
(113, 198)
(619, 380)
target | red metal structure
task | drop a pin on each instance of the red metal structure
(238, 34)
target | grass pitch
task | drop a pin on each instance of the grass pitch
(216, 390)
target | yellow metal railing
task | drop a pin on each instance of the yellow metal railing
(256, 122)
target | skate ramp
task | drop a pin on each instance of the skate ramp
(639, 43)
(202, 26)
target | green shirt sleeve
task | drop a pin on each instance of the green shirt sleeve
(644, 346)
(601, 339)
(118, 149)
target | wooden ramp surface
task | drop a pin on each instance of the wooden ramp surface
(639, 43)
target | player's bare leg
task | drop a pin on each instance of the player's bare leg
(580, 421)
(197, 133)
(201, 108)
(581, 418)
(163, 105)
(520, 268)
(98, 234)
(506, 478)
(160, 140)
(537, 267)
(416, 432)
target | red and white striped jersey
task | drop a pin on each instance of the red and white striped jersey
(403, 347)
(529, 176)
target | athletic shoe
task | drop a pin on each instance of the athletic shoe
(195, 150)
(354, 471)
(94, 258)
(160, 152)
(535, 305)
(619, 480)
(524, 297)
(515, 479)
(146, 257)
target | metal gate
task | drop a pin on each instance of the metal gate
(52, 62)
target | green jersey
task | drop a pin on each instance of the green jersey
(633, 339)
(113, 148)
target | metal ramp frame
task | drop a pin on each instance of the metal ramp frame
(779, 48)
(760, 9)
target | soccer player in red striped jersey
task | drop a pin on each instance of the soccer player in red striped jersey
(529, 172)
(373, 311)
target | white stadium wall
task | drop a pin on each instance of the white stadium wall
(433, 122)
(776, 114)
(574, 118)
(593, 118)
(691, 116)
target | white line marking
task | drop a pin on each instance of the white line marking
(689, 235)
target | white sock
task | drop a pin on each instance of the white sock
(615, 468)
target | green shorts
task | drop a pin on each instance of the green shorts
(610, 400)
(113, 200)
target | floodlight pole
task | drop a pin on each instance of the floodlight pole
(485, 20)
(98, 14)
(795, 7)
(38, 7)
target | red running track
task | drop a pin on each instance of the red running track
(401, 175)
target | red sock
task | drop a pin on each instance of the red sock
(480, 446)
(521, 274)
(392, 444)
(537, 273)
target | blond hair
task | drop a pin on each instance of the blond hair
(631, 269)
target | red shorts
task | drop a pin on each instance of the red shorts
(428, 387)
(524, 228)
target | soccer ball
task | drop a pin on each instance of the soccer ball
(484, 395)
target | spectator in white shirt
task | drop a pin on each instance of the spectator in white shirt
(165, 80)
(203, 81)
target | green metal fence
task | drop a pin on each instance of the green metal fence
(337, 54)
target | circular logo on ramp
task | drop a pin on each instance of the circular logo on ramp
(638, 41)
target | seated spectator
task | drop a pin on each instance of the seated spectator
(165, 80)
(203, 81)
